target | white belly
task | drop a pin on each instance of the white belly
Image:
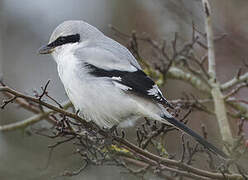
(97, 99)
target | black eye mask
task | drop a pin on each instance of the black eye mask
(65, 40)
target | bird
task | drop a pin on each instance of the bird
(104, 81)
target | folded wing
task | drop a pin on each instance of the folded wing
(137, 82)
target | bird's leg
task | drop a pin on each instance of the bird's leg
(109, 138)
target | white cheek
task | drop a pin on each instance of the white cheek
(63, 51)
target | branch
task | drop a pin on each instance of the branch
(25, 104)
(210, 40)
(176, 73)
(218, 97)
(169, 162)
(36, 100)
(31, 120)
(152, 158)
(234, 81)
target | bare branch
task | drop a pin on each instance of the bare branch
(235, 81)
(32, 120)
(218, 98)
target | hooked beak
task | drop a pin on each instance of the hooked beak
(47, 49)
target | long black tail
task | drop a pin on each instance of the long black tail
(196, 136)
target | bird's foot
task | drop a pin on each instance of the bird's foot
(110, 131)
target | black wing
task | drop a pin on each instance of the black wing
(137, 82)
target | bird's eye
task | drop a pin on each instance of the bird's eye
(61, 39)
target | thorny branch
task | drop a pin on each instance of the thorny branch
(148, 153)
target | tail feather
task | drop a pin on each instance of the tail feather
(196, 136)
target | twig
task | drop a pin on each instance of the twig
(236, 89)
(184, 149)
(204, 131)
(44, 90)
(6, 102)
(61, 142)
(234, 81)
(74, 173)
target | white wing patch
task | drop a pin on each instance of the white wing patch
(116, 78)
(155, 92)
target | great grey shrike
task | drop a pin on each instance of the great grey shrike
(104, 81)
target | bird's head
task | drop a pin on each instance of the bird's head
(67, 34)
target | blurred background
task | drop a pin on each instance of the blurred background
(26, 25)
